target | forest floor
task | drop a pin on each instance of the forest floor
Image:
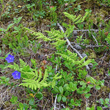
(38, 18)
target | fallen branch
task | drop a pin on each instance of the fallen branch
(95, 39)
(55, 102)
(85, 30)
(88, 46)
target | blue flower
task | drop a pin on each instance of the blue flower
(16, 75)
(9, 58)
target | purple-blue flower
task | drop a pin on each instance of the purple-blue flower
(16, 75)
(9, 58)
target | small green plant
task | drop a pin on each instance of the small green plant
(38, 15)
(90, 108)
(30, 6)
(78, 8)
(104, 102)
(14, 99)
(20, 106)
(79, 39)
(53, 14)
(36, 9)
(5, 13)
(109, 72)
(108, 39)
(4, 81)
(35, 46)
(17, 40)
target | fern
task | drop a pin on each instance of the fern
(41, 36)
(72, 58)
(58, 40)
(14, 66)
(76, 20)
(35, 80)
(69, 30)
(32, 78)
(55, 34)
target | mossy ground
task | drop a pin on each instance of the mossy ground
(99, 19)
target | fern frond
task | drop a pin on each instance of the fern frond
(37, 34)
(41, 36)
(22, 63)
(58, 42)
(79, 21)
(69, 30)
(56, 77)
(86, 14)
(72, 58)
(76, 20)
(35, 80)
(69, 59)
(71, 17)
(72, 55)
(55, 34)
(85, 63)
(79, 16)
(14, 67)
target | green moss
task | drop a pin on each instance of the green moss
(32, 24)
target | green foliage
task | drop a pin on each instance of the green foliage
(29, 6)
(90, 108)
(13, 39)
(17, 40)
(108, 39)
(5, 30)
(78, 8)
(104, 102)
(39, 95)
(75, 102)
(38, 15)
(14, 99)
(74, 76)
(34, 81)
(67, 77)
(65, 109)
(53, 14)
(4, 80)
(105, 2)
(71, 58)
(21, 106)
(75, 19)
(33, 78)
(99, 108)
(109, 72)
(35, 46)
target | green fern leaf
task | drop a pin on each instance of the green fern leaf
(71, 17)
(42, 36)
(77, 18)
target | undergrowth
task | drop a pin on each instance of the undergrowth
(67, 76)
